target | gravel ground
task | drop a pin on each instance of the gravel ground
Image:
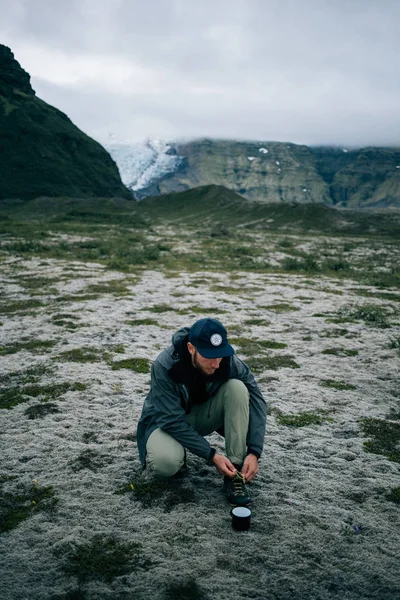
(322, 527)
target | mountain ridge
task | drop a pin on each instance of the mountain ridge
(282, 172)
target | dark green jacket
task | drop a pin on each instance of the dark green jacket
(169, 400)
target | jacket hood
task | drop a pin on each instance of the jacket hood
(179, 341)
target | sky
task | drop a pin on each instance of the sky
(315, 72)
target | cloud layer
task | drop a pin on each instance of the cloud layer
(314, 72)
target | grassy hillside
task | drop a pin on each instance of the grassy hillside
(212, 204)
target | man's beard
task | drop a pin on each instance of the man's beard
(198, 366)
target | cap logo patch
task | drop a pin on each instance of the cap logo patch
(216, 339)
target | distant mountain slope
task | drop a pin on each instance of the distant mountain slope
(42, 152)
(278, 172)
(214, 208)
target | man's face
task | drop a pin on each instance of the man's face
(207, 366)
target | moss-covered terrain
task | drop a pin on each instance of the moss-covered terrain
(91, 292)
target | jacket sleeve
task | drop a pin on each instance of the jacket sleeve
(258, 407)
(170, 416)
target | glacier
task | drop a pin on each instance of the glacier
(142, 163)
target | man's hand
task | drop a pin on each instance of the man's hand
(224, 465)
(250, 467)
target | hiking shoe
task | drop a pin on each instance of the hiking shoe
(236, 490)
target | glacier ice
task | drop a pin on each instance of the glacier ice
(141, 163)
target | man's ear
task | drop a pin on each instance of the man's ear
(190, 348)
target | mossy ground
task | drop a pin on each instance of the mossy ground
(168, 493)
(13, 395)
(337, 385)
(301, 419)
(32, 345)
(340, 351)
(139, 365)
(18, 505)
(394, 495)
(112, 290)
(385, 437)
(262, 363)
(104, 557)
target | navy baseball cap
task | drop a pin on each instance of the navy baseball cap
(210, 338)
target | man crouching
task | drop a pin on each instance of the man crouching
(199, 386)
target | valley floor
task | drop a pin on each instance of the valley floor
(79, 519)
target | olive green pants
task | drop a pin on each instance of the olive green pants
(228, 408)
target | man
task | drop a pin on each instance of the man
(199, 386)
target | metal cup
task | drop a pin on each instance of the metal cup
(241, 518)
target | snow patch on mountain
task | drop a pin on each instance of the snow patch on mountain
(141, 163)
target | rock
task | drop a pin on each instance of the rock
(285, 173)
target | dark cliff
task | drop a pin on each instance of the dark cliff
(42, 152)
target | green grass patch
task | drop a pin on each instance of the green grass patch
(36, 284)
(103, 558)
(115, 287)
(385, 437)
(14, 395)
(139, 365)
(394, 343)
(394, 495)
(20, 306)
(210, 310)
(371, 314)
(337, 320)
(85, 354)
(70, 325)
(261, 363)
(19, 505)
(249, 346)
(88, 459)
(392, 296)
(167, 493)
(340, 352)
(38, 411)
(279, 307)
(90, 437)
(188, 590)
(284, 243)
(236, 291)
(331, 291)
(309, 264)
(37, 346)
(334, 333)
(77, 297)
(259, 322)
(300, 419)
(29, 375)
(159, 308)
(336, 385)
(70, 316)
(137, 322)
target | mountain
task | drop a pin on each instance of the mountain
(267, 171)
(218, 212)
(42, 152)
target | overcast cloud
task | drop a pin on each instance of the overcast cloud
(305, 71)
